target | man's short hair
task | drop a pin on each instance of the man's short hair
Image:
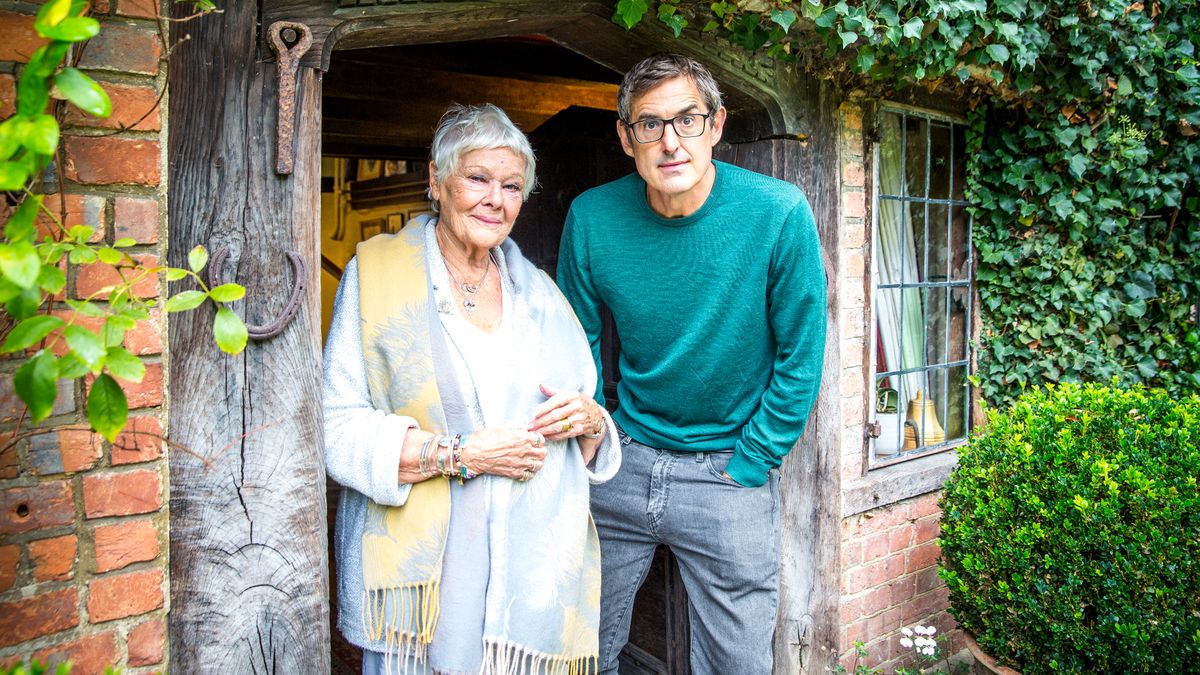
(658, 68)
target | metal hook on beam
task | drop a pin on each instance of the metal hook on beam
(287, 64)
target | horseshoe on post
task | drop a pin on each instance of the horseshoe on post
(287, 64)
(275, 327)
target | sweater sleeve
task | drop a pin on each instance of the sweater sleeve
(575, 282)
(796, 313)
(362, 443)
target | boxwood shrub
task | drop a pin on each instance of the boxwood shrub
(1071, 532)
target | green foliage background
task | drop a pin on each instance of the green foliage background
(1071, 532)
(1083, 163)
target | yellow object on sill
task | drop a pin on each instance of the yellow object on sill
(921, 428)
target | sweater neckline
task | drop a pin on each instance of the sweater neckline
(719, 168)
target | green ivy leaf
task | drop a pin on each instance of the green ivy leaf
(848, 38)
(36, 384)
(913, 28)
(785, 18)
(107, 407)
(123, 364)
(185, 300)
(229, 331)
(630, 12)
(84, 92)
(997, 52)
(197, 258)
(675, 22)
(20, 264)
(1124, 86)
(227, 293)
(30, 332)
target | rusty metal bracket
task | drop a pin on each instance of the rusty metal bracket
(281, 34)
(275, 327)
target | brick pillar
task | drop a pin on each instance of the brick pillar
(83, 523)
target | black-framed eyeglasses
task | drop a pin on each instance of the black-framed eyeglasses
(651, 130)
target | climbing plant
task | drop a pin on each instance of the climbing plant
(1082, 153)
(67, 338)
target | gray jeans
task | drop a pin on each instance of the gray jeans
(726, 538)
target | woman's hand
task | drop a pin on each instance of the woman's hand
(567, 414)
(504, 451)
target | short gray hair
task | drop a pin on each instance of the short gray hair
(658, 68)
(466, 128)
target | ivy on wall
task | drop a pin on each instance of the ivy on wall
(1083, 163)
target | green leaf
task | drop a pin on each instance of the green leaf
(71, 367)
(41, 136)
(229, 331)
(110, 256)
(1124, 86)
(785, 18)
(20, 225)
(86, 308)
(36, 384)
(227, 293)
(675, 22)
(124, 242)
(630, 12)
(848, 38)
(19, 262)
(997, 52)
(83, 91)
(51, 279)
(913, 28)
(107, 408)
(175, 274)
(86, 345)
(123, 364)
(29, 332)
(75, 29)
(197, 258)
(12, 130)
(24, 304)
(50, 15)
(185, 300)
(12, 176)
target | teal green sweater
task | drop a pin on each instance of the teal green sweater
(721, 314)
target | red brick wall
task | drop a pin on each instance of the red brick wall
(83, 523)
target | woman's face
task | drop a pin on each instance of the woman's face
(479, 201)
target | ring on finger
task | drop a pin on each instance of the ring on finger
(566, 426)
(539, 441)
(526, 475)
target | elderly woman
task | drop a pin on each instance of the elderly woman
(459, 417)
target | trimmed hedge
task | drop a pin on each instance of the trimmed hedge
(1071, 532)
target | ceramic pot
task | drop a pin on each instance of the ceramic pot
(922, 427)
(888, 441)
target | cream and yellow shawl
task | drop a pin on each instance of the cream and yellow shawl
(518, 560)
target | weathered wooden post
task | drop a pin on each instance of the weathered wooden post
(249, 588)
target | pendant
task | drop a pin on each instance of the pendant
(469, 305)
(470, 288)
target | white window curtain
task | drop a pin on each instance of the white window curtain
(899, 313)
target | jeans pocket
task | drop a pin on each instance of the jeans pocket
(716, 463)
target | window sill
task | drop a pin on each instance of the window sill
(897, 482)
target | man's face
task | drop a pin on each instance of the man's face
(679, 172)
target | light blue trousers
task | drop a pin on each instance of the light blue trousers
(726, 538)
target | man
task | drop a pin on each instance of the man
(714, 277)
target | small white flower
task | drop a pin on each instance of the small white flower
(927, 651)
(907, 632)
(906, 643)
(924, 630)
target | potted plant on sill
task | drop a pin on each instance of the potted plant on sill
(1071, 532)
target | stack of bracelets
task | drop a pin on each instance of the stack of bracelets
(446, 459)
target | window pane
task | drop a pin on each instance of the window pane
(916, 149)
(939, 259)
(939, 161)
(959, 173)
(917, 212)
(958, 243)
(960, 331)
(889, 415)
(901, 329)
(891, 156)
(936, 322)
(957, 402)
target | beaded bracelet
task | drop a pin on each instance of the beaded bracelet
(463, 472)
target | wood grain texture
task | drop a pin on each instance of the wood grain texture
(249, 587)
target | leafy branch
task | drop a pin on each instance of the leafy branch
(65, 338)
